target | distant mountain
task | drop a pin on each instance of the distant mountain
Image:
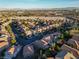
(67, 8)
(15, 9)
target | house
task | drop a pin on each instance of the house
(64, 55)
(44, 28)
(3, 40)
(28, 51)
(74, 51)
(47, 27)
(56, 34)
(29, 33)
(76, 37)
(50, 26)
(39, 30)
(3, 45)
(74, 43)
(4, 36)
(50, 58)
(12, 52)
(43, 43)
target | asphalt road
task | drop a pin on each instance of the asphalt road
(24, 40)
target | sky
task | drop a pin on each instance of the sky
(29, 4)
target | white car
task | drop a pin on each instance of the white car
(2, 36)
